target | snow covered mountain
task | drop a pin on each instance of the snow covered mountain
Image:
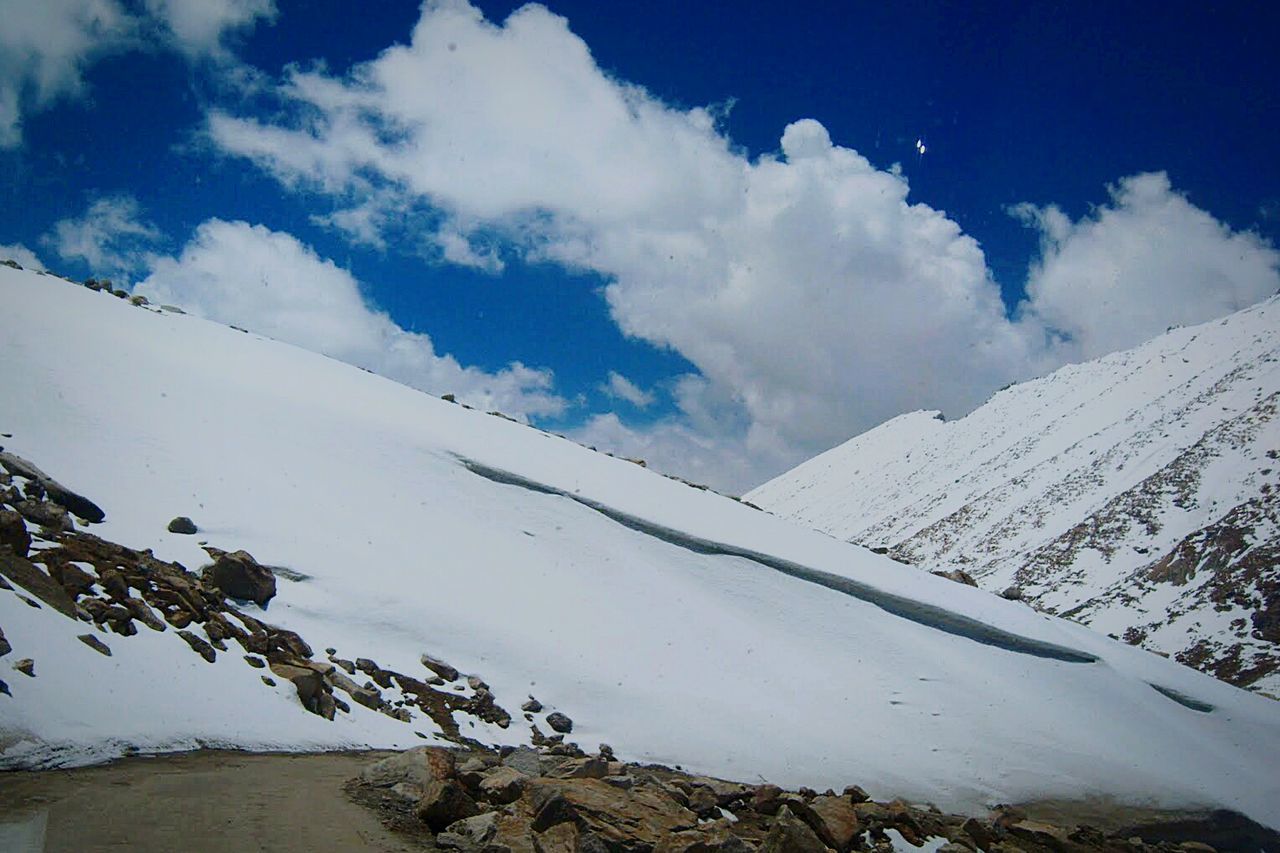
(676, 625)
(1138, 493)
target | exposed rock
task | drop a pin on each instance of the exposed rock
(59, 494)
(838, 818)
(623, 820)
(13, 532)
(24, 573)
(50, 516)
(959, 576)
(533, 706)
(94, 643)
(469, 833)
(702, 802)
(439, 667)
(526, 760)
(184, 525)
(766, 799)
(26, 666)
(714, 839)
(240, 576)
(255, 661)
(559, 722)
(791, 835)
(503, 785)
(418, 767)
(199, 646)
(475, 682)
(444, 803)
(5, 648)
(1012, 593)
(581, 768)
(75, 580)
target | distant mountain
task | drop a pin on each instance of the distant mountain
(374, 566)
(1138, 494)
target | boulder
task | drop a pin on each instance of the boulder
(5, 648)
(94, 643)
(581, 768)
(766, 799)
(439, 667)
(199, 646)
(838, 818)
(502, 785)
(710, 839)
(418, 767)
(702, 802)
(445, 802)
(25, 574)
(58, 493)
(26, 666)
(622, 820)
(526, 760)
(240, 576)
(183, 525)
(533, 706)
(470, 833)
(13, 532)
(789, 834)
(559, 722)
(48, 515)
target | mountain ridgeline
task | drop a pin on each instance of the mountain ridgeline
(1138, 493)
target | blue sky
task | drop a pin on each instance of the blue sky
(698, 233)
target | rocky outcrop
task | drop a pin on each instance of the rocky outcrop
(239, 576)
(81, 506)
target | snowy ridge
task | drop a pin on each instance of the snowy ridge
(675, 624)
(1136, 493)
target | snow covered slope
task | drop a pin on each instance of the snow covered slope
(1138, 493)
(675, 624)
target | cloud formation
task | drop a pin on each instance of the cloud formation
(22, 255)
(813, 297)
(45, 46)
(110, 237)
(1131, 268)
(621, 388)
(199, 27)
(270, 282)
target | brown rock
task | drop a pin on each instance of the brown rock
(502, 785)
(702, 802)
(58, 493)
(625, 820)
(24, 573)
(559, 722)
(439, 667)
(26, 666)
(183, 525)
(789, 834)
(13, 532)
(199, 646)
(445, 802)
(240, 576)
(766, 799)
(470, 833)
(48, 515)
(94, 643)
(710, 839)
(5, 648)
(418, 767)
(979, 832)
(838, 818)
(581, 768)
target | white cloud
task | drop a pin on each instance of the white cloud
(813, 298)
(110, 237)
(622, 388)
(24, 256)
(271, 283)
(1130, 269)
(200, 27)
(45, 46)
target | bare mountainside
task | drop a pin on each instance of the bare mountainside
(1136, 493)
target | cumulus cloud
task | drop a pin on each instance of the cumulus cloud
(1131, 268)
(621, 388)
(813, 297)
(44, 48)
(110, 237)
(22, 255)
(200, 27)
(271, 283)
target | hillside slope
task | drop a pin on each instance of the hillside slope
(1138, 493)
(676, 625)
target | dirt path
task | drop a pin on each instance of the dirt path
(200, 801)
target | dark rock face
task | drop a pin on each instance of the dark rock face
(58, 493)
(445, 802)
(184, 525)
(240, 576)
(13, 532)
(559, 722)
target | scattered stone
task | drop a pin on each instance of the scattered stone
(255, 661)
(715, 839)
(702, 802)
(439, 667)
(581, 768)
(559, 722)
(13, 532)
(766, 799)
(24, 573)
(476, 683)
(346, 665)
(50, 516)
(267, 680)
(26, 666)
(138, 299)
(533, 706)
(240, 576)
(1012, 593)
(4, 688)
(199, 646)
(444, 803)
(418, 767)
(469, 833)
(957, 575)
(839, 820)
(5, 648)
(183, 525)
(94, 643)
